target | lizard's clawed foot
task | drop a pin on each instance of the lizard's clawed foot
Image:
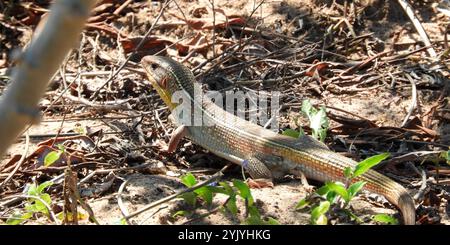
(308, 188)
(259, 183)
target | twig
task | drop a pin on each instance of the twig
(445, 146)
(122, 7)
(413, 100)
(413, 156)
(106, 107)
(419, 195)
(60, 128)
(166, 4)
(37, 64)
(363, 63)
(21, 161)
(122, 207)
(423, 35)
(73, 134)
(273, 80)
(214, 178)
(247, 20)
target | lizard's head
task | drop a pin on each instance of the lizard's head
(167, 76)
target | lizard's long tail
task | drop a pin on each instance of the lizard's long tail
(406, 204)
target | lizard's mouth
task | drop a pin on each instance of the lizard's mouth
(159, 81)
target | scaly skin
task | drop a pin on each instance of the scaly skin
(237, 140)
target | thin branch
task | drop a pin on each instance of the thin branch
(423, 35)
(38, 64)
(166, 4)
(122, 207)
(21, 161)
(413, 100)
(214, 178)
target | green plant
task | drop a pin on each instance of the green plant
(385, 219)
(318, 122)
(207, 193)
(446, 156)
(53, 156)
(338, 195)
(191, 197)
(33, 205)
(293, 133)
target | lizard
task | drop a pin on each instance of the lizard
(263, 153)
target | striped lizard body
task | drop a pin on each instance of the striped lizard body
(264, 154)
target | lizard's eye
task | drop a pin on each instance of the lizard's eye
(154, 66)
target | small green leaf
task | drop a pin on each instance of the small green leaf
(368, 163)
(70, 216)
(231, 205)
(32, 190)
(227, 188)
(188, 180)
(257, 220)
(121, 221)
(386, 219)
(244, 191)
(302, 204)
(352, 216)
(446, 156)
(321, 220)
(61, 148)
(51, 158)
(301, 132)
(217, 189)
(181, 213)
(253, 211)
(40, 189)
(14, 220)
(190, 198)
(348, 172)
(18, 218)
(355, 188)
(322, 134)
(318, 213)
(291, 133)
(339, 189)
(323, 190)
(254, 220)
(272, 221)
(39, 207)
(205, 194)
(46, 198)
(331, 196)
(307, 108)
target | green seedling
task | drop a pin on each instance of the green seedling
(53, 156)
(206, 193)
(337, 195)
(318, 122)
(33, 206)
